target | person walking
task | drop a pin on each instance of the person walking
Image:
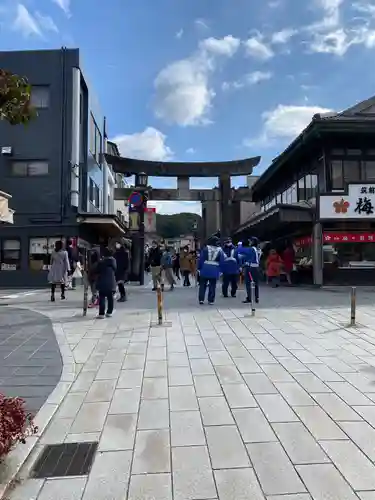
(185, 265)
(176, 265)
(60, 267)
(249, 258)
(230, 269)
(288, 257)
(92, 275)
(274, 265)
(106, 283)
(210, 260)
(166, 264)
(122, 268)
(154, 261)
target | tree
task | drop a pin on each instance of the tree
(15, 95)
(173, 226)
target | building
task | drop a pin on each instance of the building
(55, 168)
(319, 196)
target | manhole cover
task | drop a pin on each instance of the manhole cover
(68, 459)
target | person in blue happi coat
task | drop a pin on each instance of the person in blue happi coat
(210, 260)
(249, 256)
(230, 268)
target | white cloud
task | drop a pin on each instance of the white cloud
(46, 22)
(147, 145)
(283, 36)
(179, 33)
(176, 207)
(25, 22)
(248, 80)
(183, 93)
(255, 47)
(284, 122)
(64, 5)
(191, 151)
(365, 8)
(201, 24)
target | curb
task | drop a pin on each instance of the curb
(17, 458)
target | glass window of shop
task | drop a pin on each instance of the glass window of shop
(10, 255)
(368, 170)
(40, 251)
(349, 255)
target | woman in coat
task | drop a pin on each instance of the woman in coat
(106, 283)
(185, 265)
(274, 264)
(58, 273)
(122, 263)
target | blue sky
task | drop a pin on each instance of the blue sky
(201, 80)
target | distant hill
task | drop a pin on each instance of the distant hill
(173, 226)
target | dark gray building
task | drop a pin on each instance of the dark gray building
(54, 168)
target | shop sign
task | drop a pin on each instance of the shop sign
(8, 267)
(358, 203)
(364, 237)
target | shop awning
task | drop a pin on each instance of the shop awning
(106, 225)
(279, 219)
(6, 213)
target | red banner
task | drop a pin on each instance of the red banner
(304, 241)
(364, 237)
(150, 210)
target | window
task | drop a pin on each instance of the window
(10, 255)
(95, 140)
(311, 186)
(368, 170)
(91, 190)
(337, 178)
(352, 171)
(97, 197)
(293, 193)
(40, 96)
(354, 152)
(29, 168)
(40, 251)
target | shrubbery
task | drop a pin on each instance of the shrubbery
(16, 424)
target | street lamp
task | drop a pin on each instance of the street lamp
(141, 180)
(195, 228)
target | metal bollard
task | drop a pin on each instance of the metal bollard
(353, 301)
(159, 296)
(252, 298)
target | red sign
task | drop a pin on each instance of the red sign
(364, 237)
(150, 210)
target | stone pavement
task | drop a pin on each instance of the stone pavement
(219, 404)
(30, 359)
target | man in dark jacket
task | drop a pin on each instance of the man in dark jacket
(106, 283)
(154, 261)
(122, 262)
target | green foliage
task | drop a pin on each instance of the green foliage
(15, 93)
(173, 226)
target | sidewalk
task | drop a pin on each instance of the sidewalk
(216, 405)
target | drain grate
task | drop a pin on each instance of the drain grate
(62, 460)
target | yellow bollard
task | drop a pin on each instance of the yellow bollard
(159, 296)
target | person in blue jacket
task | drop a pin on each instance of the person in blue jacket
(230, 268)
(249, 257)
(210, 260)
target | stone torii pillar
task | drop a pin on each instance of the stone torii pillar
(225, 205)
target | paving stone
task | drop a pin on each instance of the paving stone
(335, 407)
(108, 371)
(226, 448)
(366, 495)
(274, 469)
(153, 414)
(352, 463)
(363, 436)
(325, 373)
(324, 481)
(178, 359)
(134, 362)
(253, 426)
(125, 401)
(319, 423)
(180, 376)
(215, 411)
(90, 418)
(152, 452)
(196, 351)
(62, 489)
(202, 367)
(71, 405)
(57, 430)
(192, 474)
(150, 486)
(277, 373)
(294, 394)
(220, 358)
(275, 408)
(26, 490)
(207, 385)
(311, 383)
(259, 383)
(367, 412)
(247, 365)
(238, 484)
(239, 396)
(101, 391)
(349, 394)
(115, 356)
(129, 379)
(186, 429)
(262, 356)
(299, 444)
(118, 433)
(183, 398)
(155, 388)
(298, 496)
(109, 476)
(293, 365)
